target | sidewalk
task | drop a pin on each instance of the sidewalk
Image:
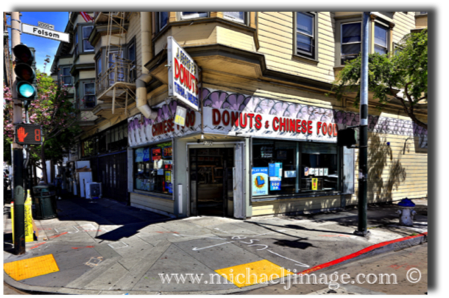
(105, 247)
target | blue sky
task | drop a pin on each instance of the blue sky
(43, 46)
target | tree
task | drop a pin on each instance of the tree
(401, 77)
(54, 111)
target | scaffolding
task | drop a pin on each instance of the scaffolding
(117, 84)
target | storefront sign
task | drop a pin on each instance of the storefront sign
(142, 130)
(270, 126)
(183, 75)
(180, 117)
(260, 181)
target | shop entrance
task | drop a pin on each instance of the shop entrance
(212, 181)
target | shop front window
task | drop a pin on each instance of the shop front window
(285, 167)
(153, 168)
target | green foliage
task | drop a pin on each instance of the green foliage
(54, 111)
(6, 151)
(405, 71)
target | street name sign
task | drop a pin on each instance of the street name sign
(47, 33)
(46, 26)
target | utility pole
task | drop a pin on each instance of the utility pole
(19, 195)
(363, 144)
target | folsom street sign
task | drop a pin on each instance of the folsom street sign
(183, 75)
(42, 32)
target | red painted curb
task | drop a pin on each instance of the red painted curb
(358, 253)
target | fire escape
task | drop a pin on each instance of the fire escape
(116, 86)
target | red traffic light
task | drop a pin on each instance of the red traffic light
(23, 54)
(24, 72)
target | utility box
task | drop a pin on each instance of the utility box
(93, 190)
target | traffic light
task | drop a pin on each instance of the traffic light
(347, 137)
(24, 72)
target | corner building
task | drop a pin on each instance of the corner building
(263, 140)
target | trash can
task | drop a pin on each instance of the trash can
(44, 200)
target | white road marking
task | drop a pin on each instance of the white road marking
(296, 262)
(196, 248)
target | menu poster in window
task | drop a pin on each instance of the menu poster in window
(146, 154)
(156, 153)
(275, 170)
(275, 185)
(139, 155)
(312, 171)
(158, 164)
(282, 154)
(259, 178)
(290, 174)
(266, 152)
(160, 172)
(326, 171)
(167, 176)
(314, 183)
(306, 171)
(167, 152)
(321, 172)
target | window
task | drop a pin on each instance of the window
(87, 47)
(381, 39)
(89, 95)
(237, 16)
(286, 167)
(162, 19)
(193, 14)
(98, 65)
(75, 51)
(66, 77)
(132, 58)
(153, 168)
(351, 41)
(305, 34)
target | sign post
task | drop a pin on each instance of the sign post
(19, 200)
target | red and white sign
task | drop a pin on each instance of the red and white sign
(183, 75)
(222, 121)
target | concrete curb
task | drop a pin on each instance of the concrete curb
(369, 251)
(373, 250)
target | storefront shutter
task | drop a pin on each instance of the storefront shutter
(348, 171)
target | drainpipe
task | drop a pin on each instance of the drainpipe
(147, 54)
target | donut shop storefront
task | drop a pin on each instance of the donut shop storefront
(241, 156)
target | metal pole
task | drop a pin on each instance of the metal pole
(363, 147)
(19, 195)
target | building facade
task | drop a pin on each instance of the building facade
(260, 127)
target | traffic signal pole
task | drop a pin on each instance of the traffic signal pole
(363, 145)
(19, 194)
